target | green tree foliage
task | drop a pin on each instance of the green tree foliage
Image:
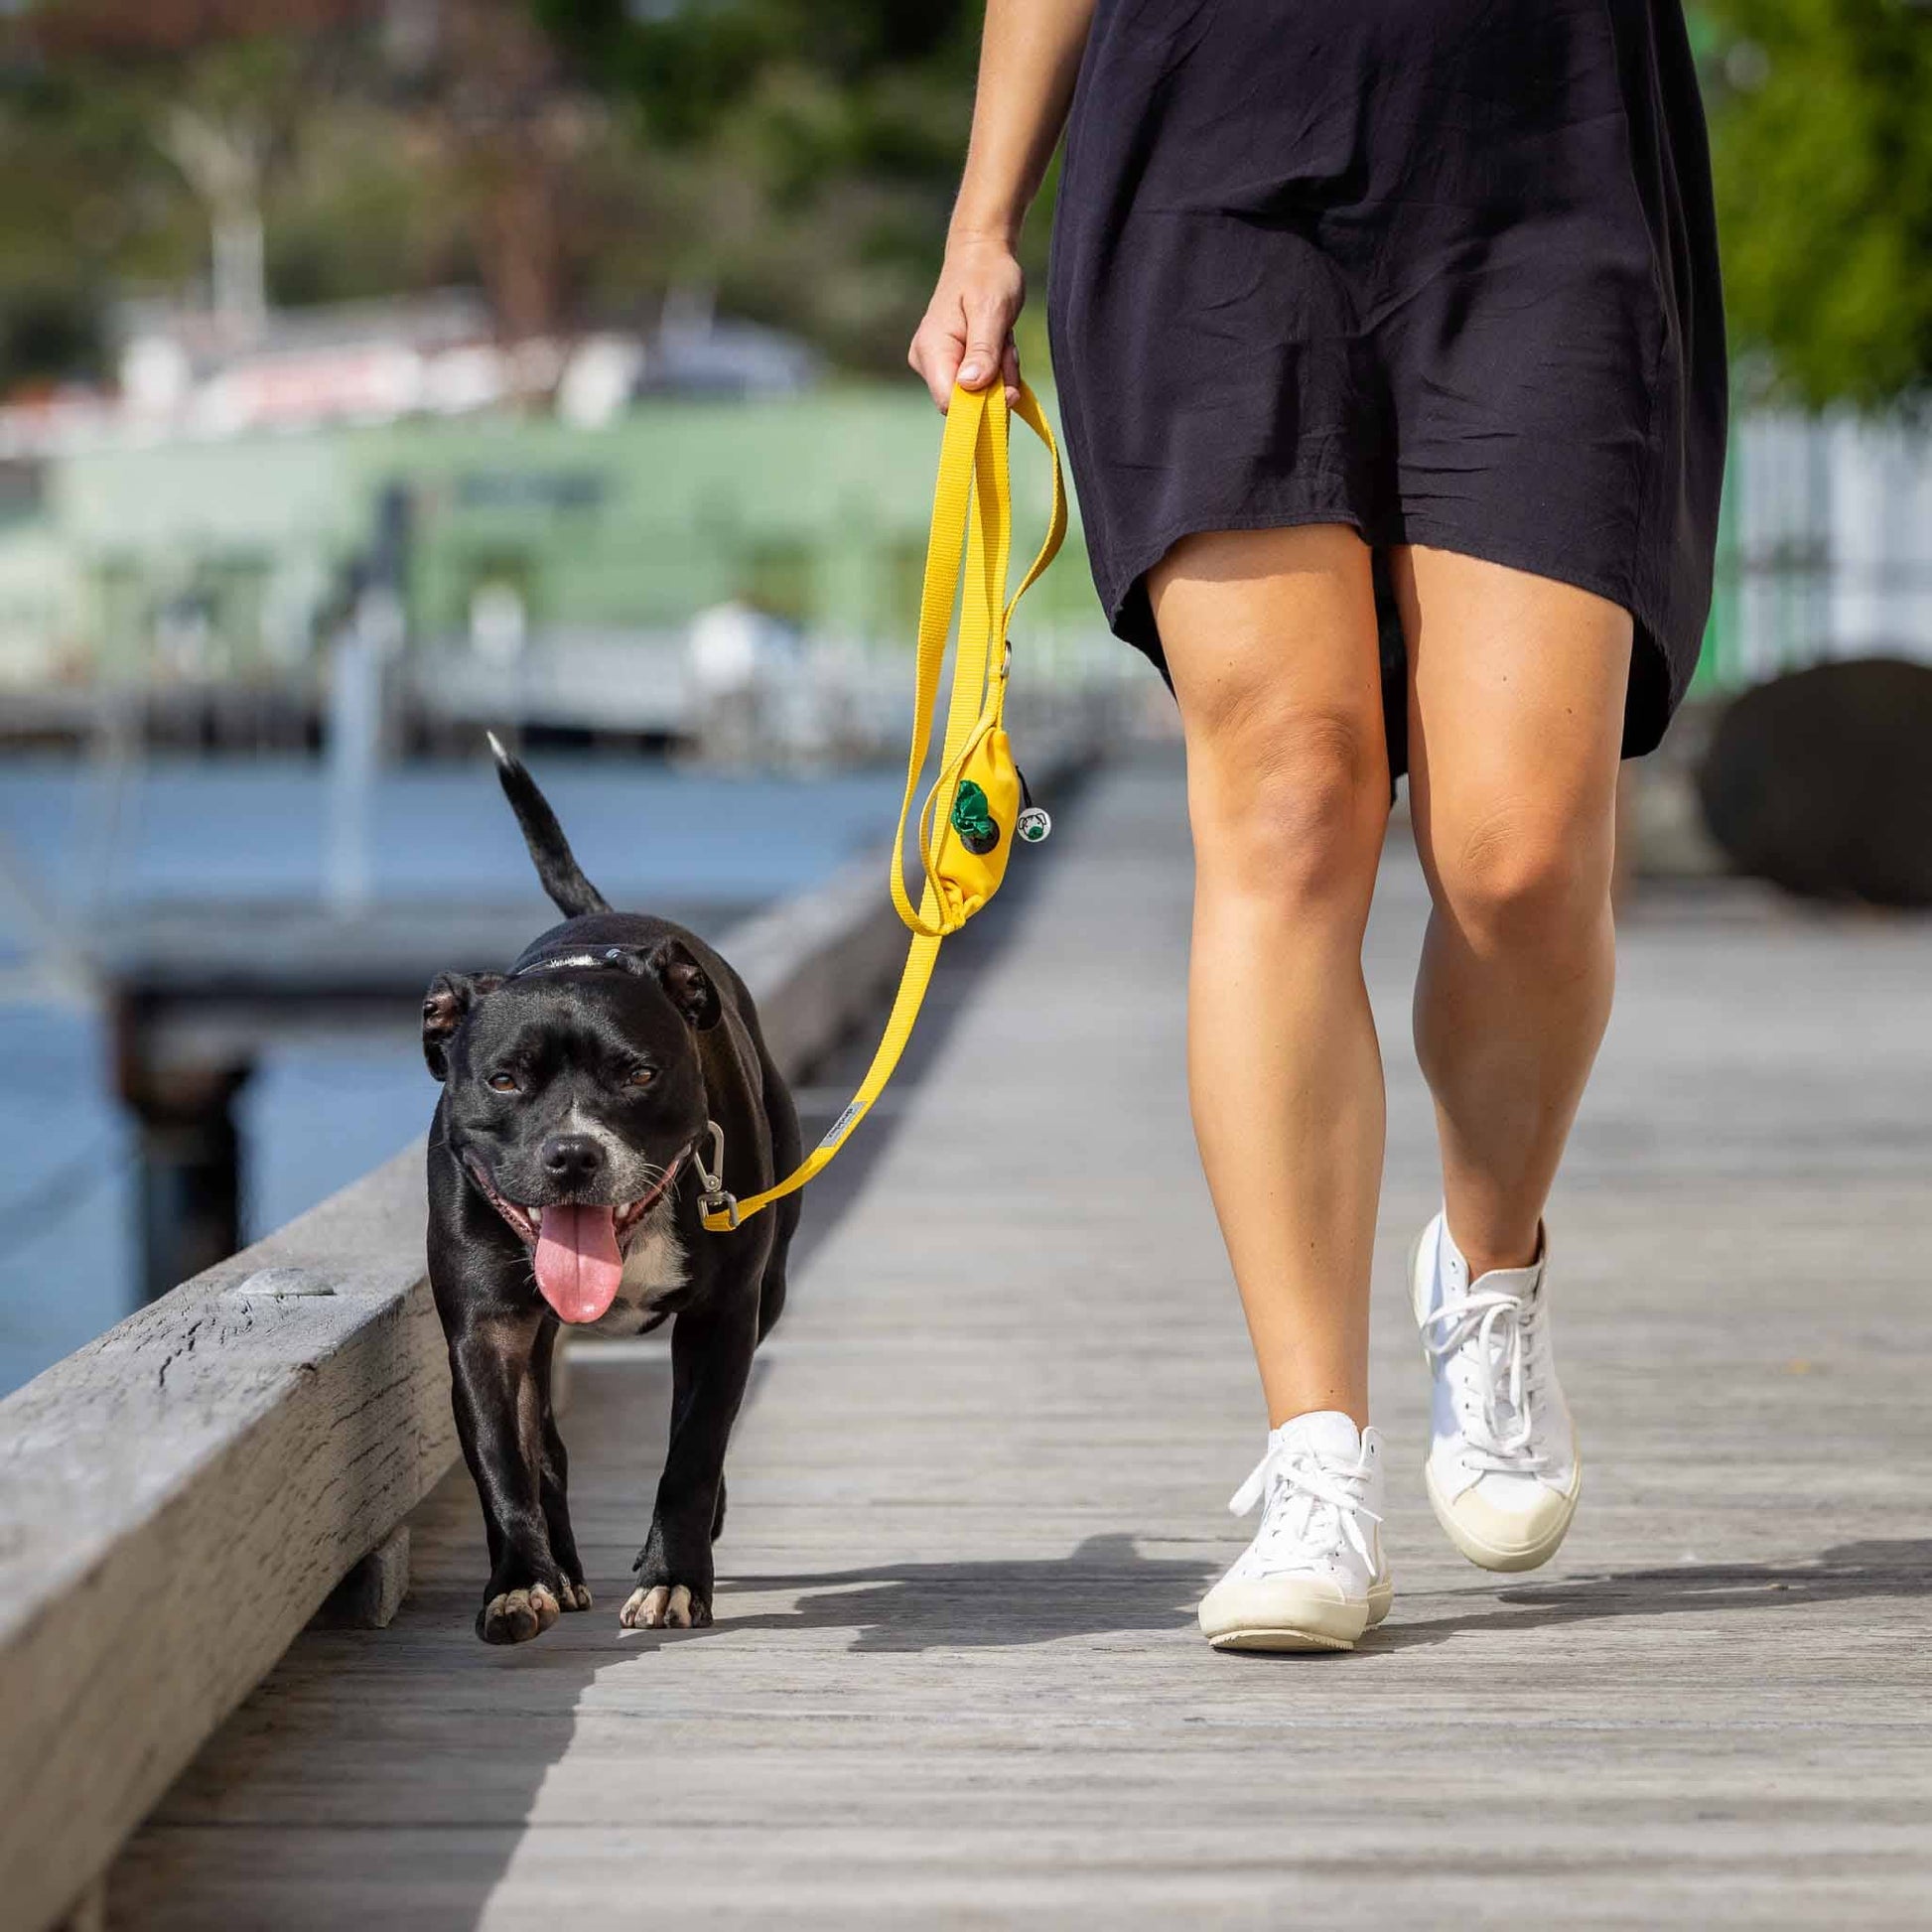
(577, 157)
(372, 157)
(130, 134)
(1822, 135)
(805, 151)
(580, 157)
(690, 64)
(89, 205)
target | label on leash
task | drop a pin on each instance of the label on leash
(841, 1127)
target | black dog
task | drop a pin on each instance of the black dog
(584, 1095)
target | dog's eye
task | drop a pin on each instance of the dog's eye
(642, 1077)
(503, 1082)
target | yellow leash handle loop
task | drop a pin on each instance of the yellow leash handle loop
(972, 522)
(976, 763)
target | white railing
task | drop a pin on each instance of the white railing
(1826, 549)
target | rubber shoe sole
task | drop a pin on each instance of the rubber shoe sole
(1318, 1625)
(1490, 1553)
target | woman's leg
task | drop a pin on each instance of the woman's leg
(1271, 640)
(1516, 719)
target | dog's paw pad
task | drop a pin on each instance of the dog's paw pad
(517, 1615)
(666, 1606)
(576, 1597)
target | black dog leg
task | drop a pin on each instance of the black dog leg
(501, 1417)
(555, 1484)
(711, 1363)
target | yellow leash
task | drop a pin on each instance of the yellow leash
(976, 805)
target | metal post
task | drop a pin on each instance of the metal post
(351, 750)
(356, 722)
(189, 1185)
(188, 1170)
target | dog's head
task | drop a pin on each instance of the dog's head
(573, 1100)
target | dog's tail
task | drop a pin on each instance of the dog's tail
(563, 879)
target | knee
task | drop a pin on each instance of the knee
(1293, 807)
(1523, 878)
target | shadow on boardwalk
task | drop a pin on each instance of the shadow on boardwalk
(1846, 1572)
(1104, 1587)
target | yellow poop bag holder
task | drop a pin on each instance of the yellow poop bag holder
(976, 806)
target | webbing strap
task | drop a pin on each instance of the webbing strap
(972, 516)
(973, 501)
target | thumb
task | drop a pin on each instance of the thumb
(985, 344)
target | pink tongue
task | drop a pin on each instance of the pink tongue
(578, 1262)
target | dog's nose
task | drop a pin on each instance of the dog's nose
(572, 1159)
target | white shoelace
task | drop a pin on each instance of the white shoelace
(1309, 1506)
(1503, 1329)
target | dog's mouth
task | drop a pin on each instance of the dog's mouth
(576, 1247)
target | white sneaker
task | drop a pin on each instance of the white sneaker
(1313, 1578)
(1503, 1473)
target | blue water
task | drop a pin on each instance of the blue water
(316, 1117)
(260, 830)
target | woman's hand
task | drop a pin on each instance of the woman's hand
(967, 334)
(1029, 57)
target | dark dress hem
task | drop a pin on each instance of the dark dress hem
(1649, 700)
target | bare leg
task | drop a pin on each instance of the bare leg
(1270, 638)
(1516, 714)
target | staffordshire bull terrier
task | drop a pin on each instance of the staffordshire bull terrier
(593, 1096)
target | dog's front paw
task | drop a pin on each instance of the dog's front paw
(517, 1615)
(666, 1607)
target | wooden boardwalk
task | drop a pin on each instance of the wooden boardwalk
(955, 1678)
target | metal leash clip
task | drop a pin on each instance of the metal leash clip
(711, 1197)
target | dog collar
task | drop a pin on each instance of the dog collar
(619, 957)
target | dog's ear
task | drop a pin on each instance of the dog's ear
(687, 983)
(450, 997)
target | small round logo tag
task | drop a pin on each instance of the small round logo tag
(1034, 824)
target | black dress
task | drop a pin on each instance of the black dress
(1445, 270)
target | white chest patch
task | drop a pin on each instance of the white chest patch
(656, 1263)
(655, 1266)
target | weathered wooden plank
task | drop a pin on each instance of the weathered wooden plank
(955, 1680)
(178, 1498)
(371, 1594)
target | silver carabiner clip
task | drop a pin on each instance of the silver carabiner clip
(712, 1195)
